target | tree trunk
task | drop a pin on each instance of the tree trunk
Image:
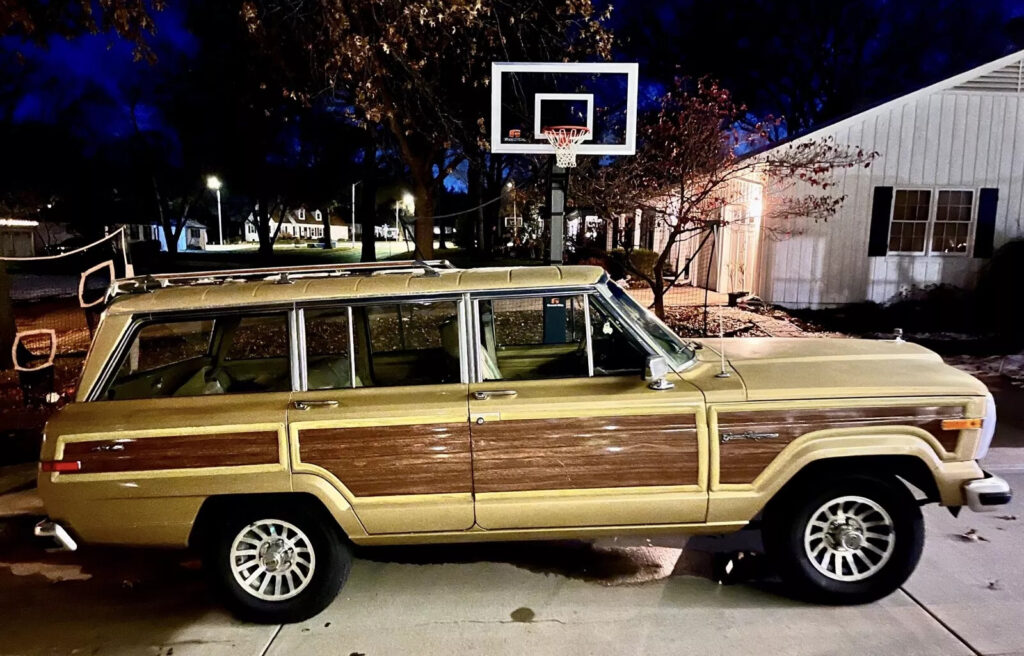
(659, 292)
(368, 216)
(424, 221)
(262, 216)
(7, 327)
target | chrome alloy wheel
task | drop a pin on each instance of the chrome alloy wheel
(849, 538)
(272, 560)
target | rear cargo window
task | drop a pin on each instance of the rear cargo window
(235, 354)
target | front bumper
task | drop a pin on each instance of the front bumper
(51, 529)
(987, 494)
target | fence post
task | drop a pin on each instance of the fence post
(7, 326)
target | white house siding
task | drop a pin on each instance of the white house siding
(952, 138)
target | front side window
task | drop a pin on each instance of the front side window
(909, 220)
(616, 352)
(673, 346)
(234, 354)
(533, 337)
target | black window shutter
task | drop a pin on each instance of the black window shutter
(985, 233)
(881, 208)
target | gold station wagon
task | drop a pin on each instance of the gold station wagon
(274, 417)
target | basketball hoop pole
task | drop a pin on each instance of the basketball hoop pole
(564, 139)
(558, 187)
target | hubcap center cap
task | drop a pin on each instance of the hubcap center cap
(275, 555)
(845, 536)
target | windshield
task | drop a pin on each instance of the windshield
(679, 352)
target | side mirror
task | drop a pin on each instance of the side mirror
(655, 372)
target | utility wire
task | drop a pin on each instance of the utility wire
(472, 209)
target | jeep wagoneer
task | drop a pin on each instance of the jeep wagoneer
(272, 418)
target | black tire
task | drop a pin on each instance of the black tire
(332, 560)
(787, 517)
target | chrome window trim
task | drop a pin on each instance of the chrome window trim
(297, 324)
(589, 335)
(465, 370)
(351, 348)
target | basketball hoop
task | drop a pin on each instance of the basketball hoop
(565, 139)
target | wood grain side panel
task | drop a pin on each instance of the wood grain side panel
(742, 460)
(387, 460)
(174, 452)
(582, 453)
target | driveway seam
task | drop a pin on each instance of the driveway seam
(943, 624)
(270, 642)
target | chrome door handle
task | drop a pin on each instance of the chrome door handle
(306, 405)
(486, 394)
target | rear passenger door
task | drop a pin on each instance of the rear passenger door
(566, 432)
(382, 412)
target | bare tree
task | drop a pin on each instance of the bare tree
(692, 153)
(421, 68)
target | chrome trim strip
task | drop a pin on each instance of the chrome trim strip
(464, 317)
(351, 348)
(298, 350)
(587, 331)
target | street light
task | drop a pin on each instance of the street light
(213, 183)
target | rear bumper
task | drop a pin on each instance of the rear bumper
(987, 494)
(51, 529)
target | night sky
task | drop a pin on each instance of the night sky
(92, 83)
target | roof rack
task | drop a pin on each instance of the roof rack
(282, 275)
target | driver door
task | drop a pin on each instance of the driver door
(566, 433)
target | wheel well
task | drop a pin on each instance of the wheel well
(220, 505)
(911, 469)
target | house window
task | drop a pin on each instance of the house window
(952, 221)
(909, 225)
(931, 222)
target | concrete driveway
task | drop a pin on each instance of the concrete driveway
(610, 597)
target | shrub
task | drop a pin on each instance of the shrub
(998, 291)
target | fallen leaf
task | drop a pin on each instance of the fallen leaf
(972, 536)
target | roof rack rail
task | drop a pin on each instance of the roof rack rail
(150, 282)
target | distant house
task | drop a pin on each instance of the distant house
(29, 238)
(300, 225)
(945, 192)
(193, 236)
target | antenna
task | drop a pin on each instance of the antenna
(721, 349)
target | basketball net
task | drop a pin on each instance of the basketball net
(565, 139)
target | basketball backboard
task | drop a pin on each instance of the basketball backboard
(528, 97)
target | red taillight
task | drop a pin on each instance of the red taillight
(61, 465)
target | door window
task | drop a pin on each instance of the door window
(328, 350)
(409, 343)
(533, 337)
